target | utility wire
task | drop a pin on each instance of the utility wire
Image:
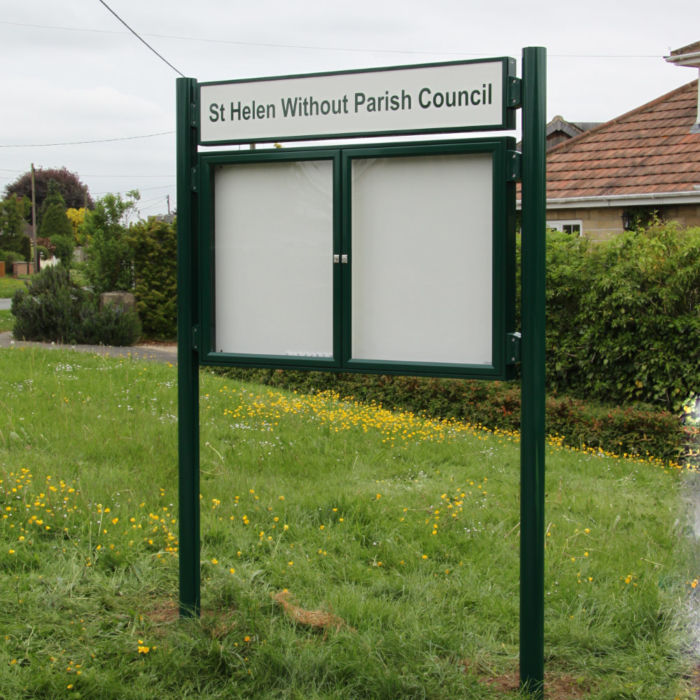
(90, 175)
(152, 206)
(78, 143)
(140, 189)
(316, 48)
(140, 39)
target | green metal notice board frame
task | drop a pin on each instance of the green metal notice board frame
(196, 326)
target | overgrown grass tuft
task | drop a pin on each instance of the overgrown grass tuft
(404, 528)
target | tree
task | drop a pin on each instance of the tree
(77, 219)
(12, 218)
(110, 261)
(64, 246)
(155, 254)
(53, 198)
(72, 189)
(54, 221)
(56, 226)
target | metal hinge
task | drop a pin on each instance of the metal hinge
(514, 98)
(194, 116)
(195, 338)
(512, 348)
(513, 166)
(194, 179)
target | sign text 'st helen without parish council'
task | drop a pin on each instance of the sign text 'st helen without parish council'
(460, 96)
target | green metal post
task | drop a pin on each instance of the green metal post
(532, 421)
(187, 358)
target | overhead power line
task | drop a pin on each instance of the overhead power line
(79, 143)
(316, 48)
(143, 41)
(140, 189)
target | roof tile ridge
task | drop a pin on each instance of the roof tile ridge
(612, 122)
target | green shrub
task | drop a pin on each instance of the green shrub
(623, 316)
(64, 246)
(154, 246)
(55, 222)
(25, 247)
(109, 265)
(634, 430)
(50, 308)
(11, 257)
(113, 325)
(55, 309)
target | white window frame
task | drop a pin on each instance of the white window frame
(559, 225)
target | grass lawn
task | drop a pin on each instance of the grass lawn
(396, 536)
(7, 321)
(8, 285)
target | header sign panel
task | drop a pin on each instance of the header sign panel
(442, 97)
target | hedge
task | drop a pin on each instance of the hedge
(154, 244)
(623, 316)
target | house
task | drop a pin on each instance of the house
(560, 130)
(641, 165)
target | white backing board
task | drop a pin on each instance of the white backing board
(437, 97)
(422, 238)
(273, 258)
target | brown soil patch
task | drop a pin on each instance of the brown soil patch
(316, 619)
(557, 686)
(218, 623)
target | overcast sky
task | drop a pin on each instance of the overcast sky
(71, 72)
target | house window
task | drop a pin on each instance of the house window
(572, 226)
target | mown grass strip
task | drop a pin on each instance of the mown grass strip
(7, 321)
(8, 285)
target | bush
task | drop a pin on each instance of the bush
(11, 257)
(109, 265)
(55, 309)
(635, 430)
(50, 308)
(25, 247)
(154, 246)
(113, 325)
(56, 223)
(64, 246)
(623, 316)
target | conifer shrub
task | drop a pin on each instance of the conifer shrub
(49, 308)
(53, 308)
(25, 247)
(154, 246)
(111, 325)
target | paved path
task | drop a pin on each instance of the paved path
(158, 353)
(5, 304)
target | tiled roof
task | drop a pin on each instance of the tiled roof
(648, 150)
